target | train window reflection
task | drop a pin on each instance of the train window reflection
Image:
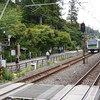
(92, 42)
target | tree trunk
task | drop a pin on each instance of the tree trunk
(40, 20)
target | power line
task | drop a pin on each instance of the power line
(32, 1)
(48, 17)
(88, 12)
(62, 2)
(41, 4)
(93, 7)
(36, 8)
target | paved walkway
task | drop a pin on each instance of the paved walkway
(43, 57)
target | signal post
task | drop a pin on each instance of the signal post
(83, 40)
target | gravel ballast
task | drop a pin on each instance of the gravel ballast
(72, 73)
(68, 76)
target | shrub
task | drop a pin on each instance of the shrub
(48, 62)
(61, 59)
(7, 75)
(1, 79)
(23, 57)
(40, 66)
(24, 71)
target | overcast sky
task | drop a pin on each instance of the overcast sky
(89, 12)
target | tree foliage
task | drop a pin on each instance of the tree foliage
(48, 14)
(37, 28)
(43, 37)
(73, 12)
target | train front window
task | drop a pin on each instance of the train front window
(92, 42)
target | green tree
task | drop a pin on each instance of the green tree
(46, 14)
(13, 18)
(42, 38)
(73, 12)
(38, 28)
(18, 31)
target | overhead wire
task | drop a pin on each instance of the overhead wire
(32, 1)
(48, 16)
(36, 7)
(93, 8)
(88, 12)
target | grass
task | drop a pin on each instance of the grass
(48, 62)
(22, 73)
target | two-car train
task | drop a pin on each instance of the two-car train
(93, 45)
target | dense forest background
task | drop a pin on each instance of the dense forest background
(39, 28)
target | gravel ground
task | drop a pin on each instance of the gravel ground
(68, 76)
(71, 74)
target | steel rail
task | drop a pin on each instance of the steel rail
(79, 81)
(48, 72)
(40, 75)
(96, 80)
(84, 97)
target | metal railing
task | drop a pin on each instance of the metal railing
(39, 62)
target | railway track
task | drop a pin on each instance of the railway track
(44, 74)
(18, 86)
(85, 77)
(92, 76)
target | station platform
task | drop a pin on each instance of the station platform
(31, 91)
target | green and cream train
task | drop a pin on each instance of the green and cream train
(93, 45)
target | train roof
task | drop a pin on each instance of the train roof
(94, 39)
(98, 39)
